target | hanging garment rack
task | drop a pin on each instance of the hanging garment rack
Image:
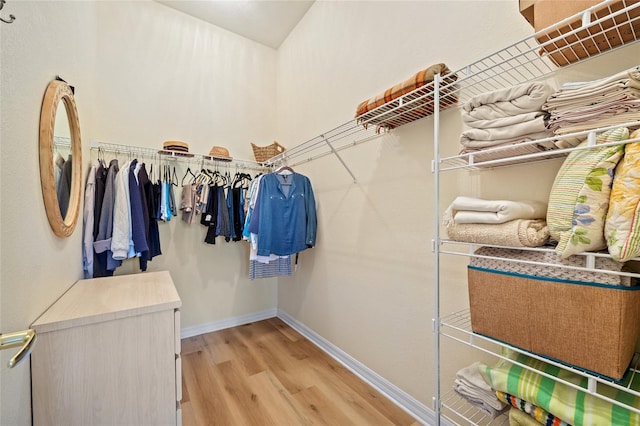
(159, 154)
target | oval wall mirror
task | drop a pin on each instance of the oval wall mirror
(60, 158)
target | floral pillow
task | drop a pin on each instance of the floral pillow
(622, 227)
(579, 198)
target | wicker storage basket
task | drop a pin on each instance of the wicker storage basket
(263, 153)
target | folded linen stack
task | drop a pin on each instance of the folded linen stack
(588, 105)
(506, 118)
(471, 386)
(497, 222)
(533, 412)
(558, 397)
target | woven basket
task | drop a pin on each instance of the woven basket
(263, 153)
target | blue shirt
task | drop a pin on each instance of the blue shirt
(285, 215)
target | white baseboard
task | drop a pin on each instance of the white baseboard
(402, 399)
(226, 323)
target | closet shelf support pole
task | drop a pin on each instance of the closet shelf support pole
(333, 150)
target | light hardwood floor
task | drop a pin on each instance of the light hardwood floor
(266, 373)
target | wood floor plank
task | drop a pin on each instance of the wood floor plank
(283, 328)
(219, 347)
(265, 373)
(188, 414)
(321, 409)
(243, 354)
(192, 344)
(280, 404)
(293, 375)
(200, 376)
(349, 402)
(343, 377)
(241, 398)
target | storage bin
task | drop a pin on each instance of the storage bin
(589, 325)
(591, 40)
(264, 153)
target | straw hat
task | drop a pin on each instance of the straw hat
(220, 153)
(175, 148)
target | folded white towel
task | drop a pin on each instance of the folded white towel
(476, 210)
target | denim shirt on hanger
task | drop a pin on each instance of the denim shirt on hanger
(285, 215)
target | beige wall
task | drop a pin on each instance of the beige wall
(368, 286)
(143, 74)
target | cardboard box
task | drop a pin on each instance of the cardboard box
(564, 48)
(526, 9)
(594, 327)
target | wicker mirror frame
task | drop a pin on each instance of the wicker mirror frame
(59, 91)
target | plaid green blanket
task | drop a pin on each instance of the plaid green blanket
(573, 406)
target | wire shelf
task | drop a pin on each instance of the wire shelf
(532, 58)
(520, 153)
(457, 326)
(564, 43)
(160, 154)
(590, 258)
(460, 411)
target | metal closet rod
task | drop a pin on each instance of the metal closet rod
(174, 156)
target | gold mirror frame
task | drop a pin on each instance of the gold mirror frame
(59, 91)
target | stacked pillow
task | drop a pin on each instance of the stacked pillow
(579, 199)
(622, 226)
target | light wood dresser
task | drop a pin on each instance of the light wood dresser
(108, 353)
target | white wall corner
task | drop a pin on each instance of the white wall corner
(399, 397)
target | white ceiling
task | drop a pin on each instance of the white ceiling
(266, 21)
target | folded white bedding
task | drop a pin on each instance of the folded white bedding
(534, 126)
(476, 210)
(628, 78)
(483, 144)
(521, 99)
(615, 120)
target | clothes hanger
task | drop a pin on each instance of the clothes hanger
(284, 170)
(187, 173)
(174, 177)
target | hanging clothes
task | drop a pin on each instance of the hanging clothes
(63, 187)
(284, 217)
(224, 228)
(235, 205)
(102, 243)
(122, 240)
(281, 266)
(87, 222)
(144, 188)
(252, 195)
(101, 181)
(138, 230)
(188, 202)
(210, 215)
(122, 222)
(154, 231)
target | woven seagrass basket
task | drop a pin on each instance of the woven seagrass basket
(263, 153)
